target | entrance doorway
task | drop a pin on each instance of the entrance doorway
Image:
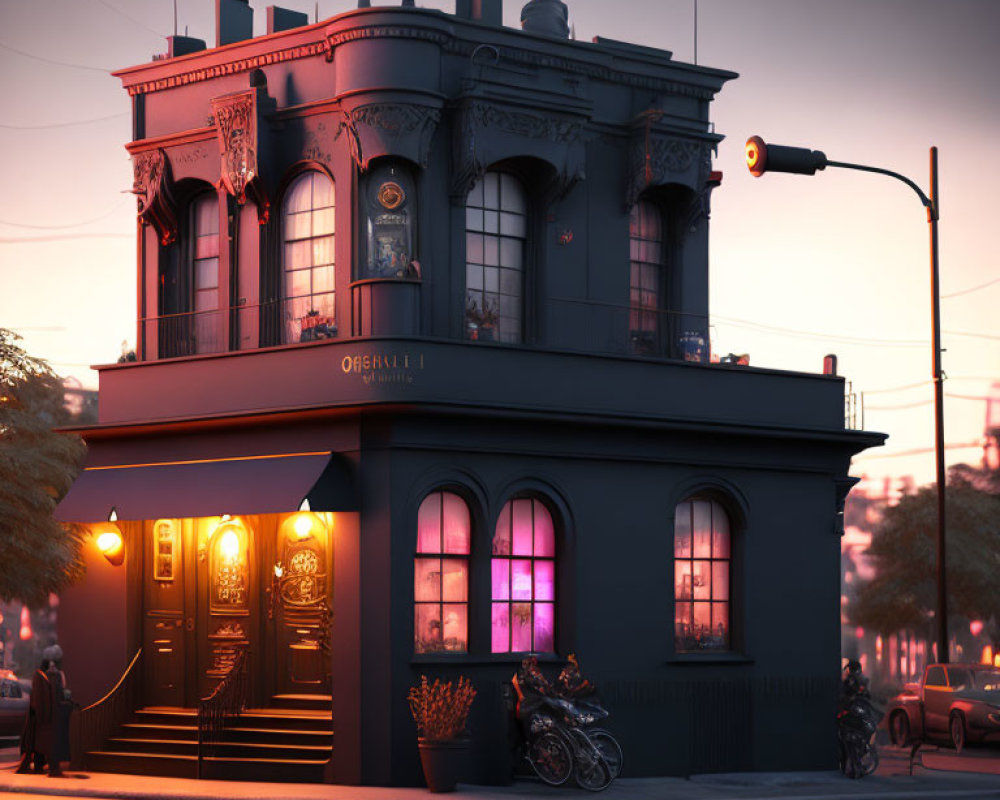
(200, 604)
(301, 592)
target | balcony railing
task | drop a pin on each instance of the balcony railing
(286, 321)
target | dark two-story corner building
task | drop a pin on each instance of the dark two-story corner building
(423, 386)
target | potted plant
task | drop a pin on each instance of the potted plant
(441, 711)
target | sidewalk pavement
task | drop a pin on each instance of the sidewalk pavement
(924, 784)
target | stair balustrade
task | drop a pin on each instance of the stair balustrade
(228, 699)
(92, 726)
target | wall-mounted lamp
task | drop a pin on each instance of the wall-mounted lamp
(109, 539)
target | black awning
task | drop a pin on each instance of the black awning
(266, 484)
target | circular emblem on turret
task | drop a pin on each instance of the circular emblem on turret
(391, 195)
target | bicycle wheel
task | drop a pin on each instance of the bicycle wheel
(551, 759)
(590, 769)
(609, 749)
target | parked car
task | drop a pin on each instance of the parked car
(13, 704)
(958, 703)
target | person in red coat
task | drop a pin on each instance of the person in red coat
(42, 727)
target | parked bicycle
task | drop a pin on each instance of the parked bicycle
(857, 722)
(557, 723)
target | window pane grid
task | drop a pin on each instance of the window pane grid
(308, 246)
(496, 224)
(647, 277)
(441, 575)
(523, 583)
(702, 577)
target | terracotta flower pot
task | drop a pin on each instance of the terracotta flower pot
(442, 763)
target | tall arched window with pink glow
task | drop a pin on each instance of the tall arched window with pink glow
(524, 579)
(702, 576)
(441, 575)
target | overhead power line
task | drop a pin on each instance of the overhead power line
(62, 124)
(920, 403)
(971, 289)
(918, 451)
(29, 226)
(64, 236)
(743, 323)
(130, 18)
(6, 46)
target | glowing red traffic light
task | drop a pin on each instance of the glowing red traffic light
(762, 157)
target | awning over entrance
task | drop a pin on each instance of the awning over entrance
(210, 487)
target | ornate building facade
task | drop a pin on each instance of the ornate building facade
(422, 387)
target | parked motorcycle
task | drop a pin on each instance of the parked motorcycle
(857, 723)
(557, 723)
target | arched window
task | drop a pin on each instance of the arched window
(307, 221)
(647, 282)
(524, 570)
(496, 226)
(702, 576)
(441, 575)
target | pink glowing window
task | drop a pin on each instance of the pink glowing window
(524, 579)
(441, 575)
(702, 560)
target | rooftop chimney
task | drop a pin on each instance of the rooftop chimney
(281, 19)
(182, 45)
(489, 12)
(547, 17)
(233, 21)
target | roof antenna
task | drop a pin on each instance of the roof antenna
(175, 17)
(316, 13)
(696, 31)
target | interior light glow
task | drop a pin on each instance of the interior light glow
(229, 545)
(303, 526)
(976, 627)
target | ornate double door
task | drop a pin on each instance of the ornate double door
(215, 586)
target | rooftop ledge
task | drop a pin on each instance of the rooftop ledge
(461, 376)
(605, 59)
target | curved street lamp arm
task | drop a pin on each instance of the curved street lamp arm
(923, 197)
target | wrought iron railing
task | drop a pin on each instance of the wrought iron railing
(92, 726)
(270, 324)
(228, 699)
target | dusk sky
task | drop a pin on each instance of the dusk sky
(801, 267)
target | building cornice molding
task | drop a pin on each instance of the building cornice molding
(234, 67)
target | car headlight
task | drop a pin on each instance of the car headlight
(994, 717)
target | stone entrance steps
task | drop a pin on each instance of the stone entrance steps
(291, 740)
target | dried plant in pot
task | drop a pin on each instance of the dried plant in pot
(441, 711)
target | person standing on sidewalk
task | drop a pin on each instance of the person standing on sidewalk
(42, 728)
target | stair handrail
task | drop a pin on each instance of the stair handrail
(92, 726)
(227, 699)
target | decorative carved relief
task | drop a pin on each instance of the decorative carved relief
(236, 128)
(313, 148)
(520, 123)
(151, 186)
(656, 158)
(230, 630)
(390, 129)
(486, 133)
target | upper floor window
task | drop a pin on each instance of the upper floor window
(702, 559)
(441, 575)
(307, 228)
(204, 260)
(523, 579)
(647, 282)
(496, 235)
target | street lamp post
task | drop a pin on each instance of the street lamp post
(762, 157)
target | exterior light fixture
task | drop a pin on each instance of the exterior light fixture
(762, 157)
(109, 540)
(229, 545)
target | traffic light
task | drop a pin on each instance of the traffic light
(763, 157)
